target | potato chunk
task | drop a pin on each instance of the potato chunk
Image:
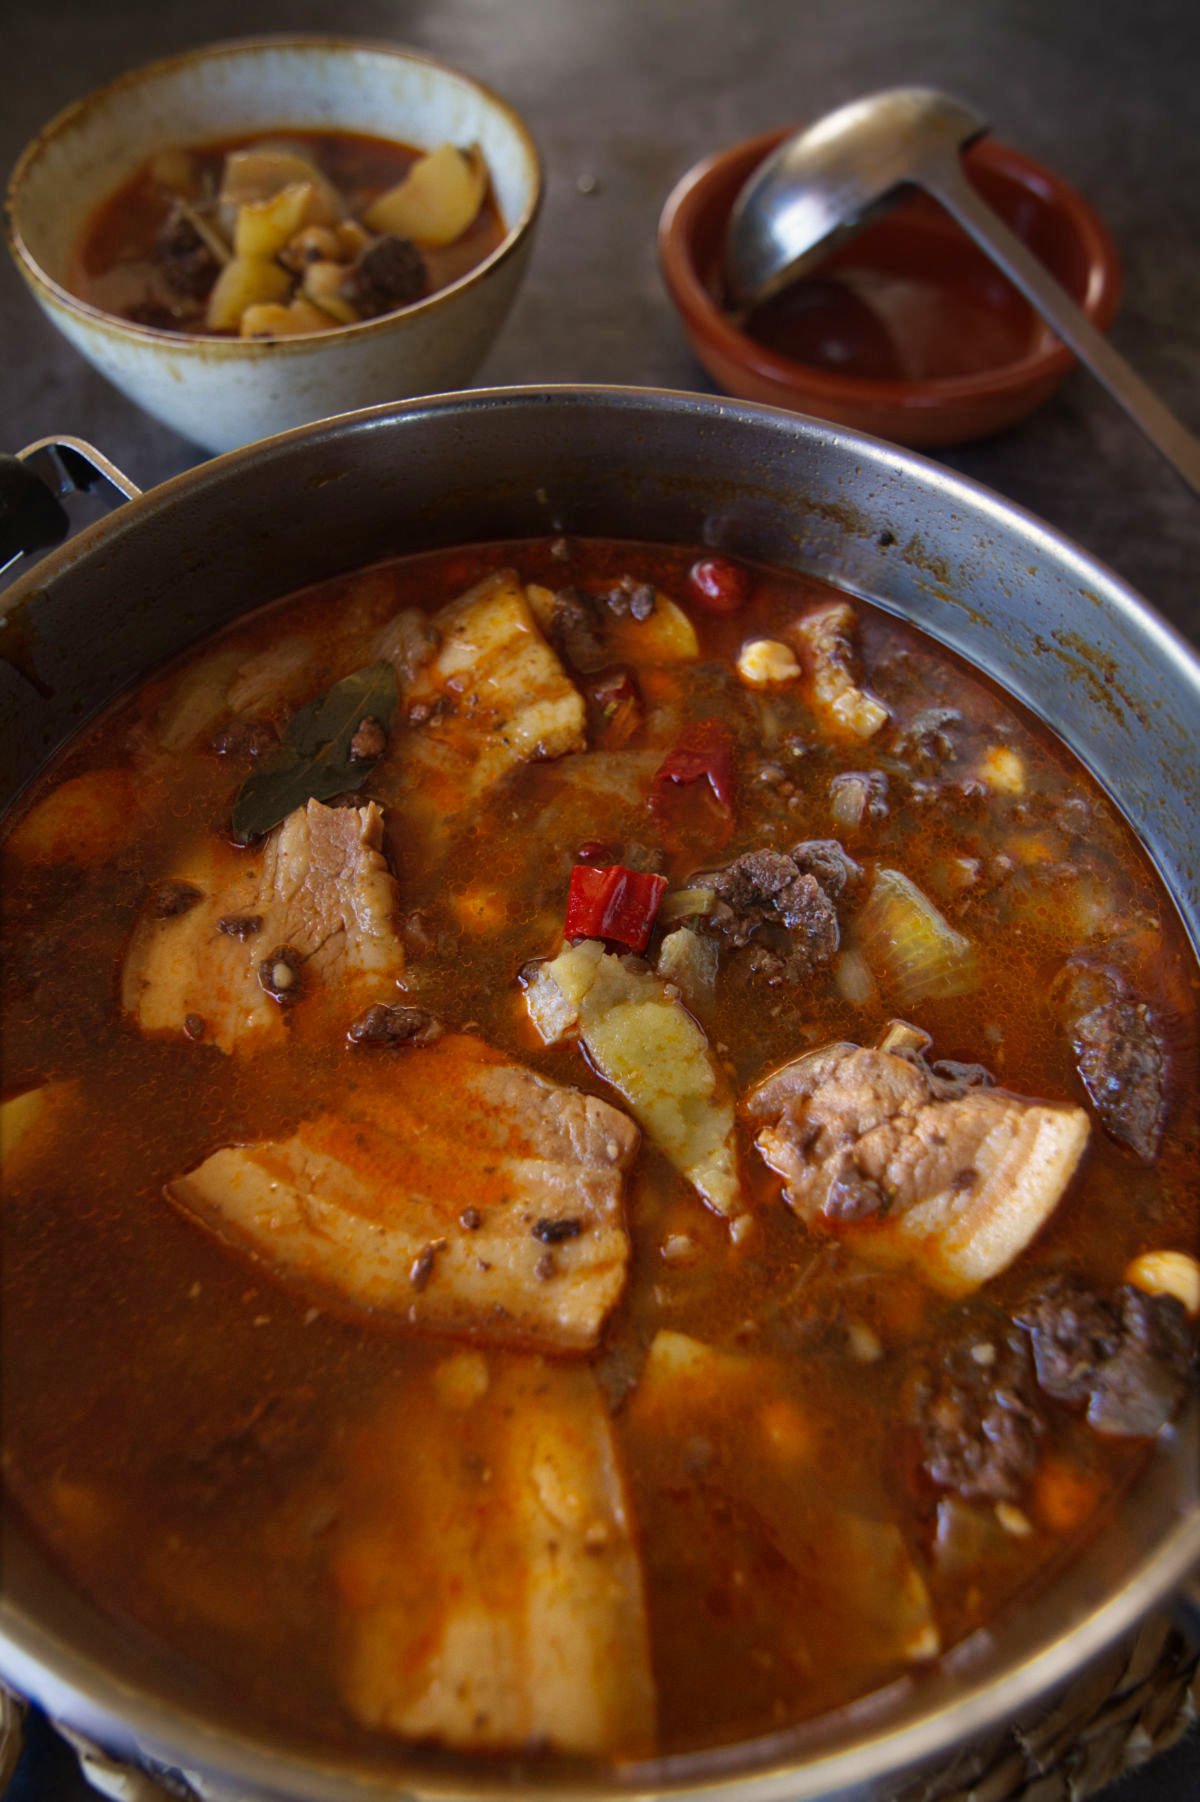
(649, 1047)
(436, 201)
(244, 282)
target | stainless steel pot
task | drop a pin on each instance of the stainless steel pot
(1067, 638)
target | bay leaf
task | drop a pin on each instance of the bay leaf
(314, 763)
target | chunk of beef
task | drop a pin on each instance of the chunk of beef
(576, 630)
(187, 262)
(393, 1026)
(976, 1410)
(1121, 1063)
(390, 273)
(1126, 1358)
(928, 741)
(794, 891)
(365, 1203)
(630, 596)
(934, 1170)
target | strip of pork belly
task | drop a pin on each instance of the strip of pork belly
(452, 1188)
(318, 889)
(488, 695)
(827, 638)
(489, 1587)
(868, 1141)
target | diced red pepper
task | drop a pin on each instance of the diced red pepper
(703, 754)
(613, 903)
(718, 585)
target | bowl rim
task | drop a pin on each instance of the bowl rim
(703, 318)
(208, 345)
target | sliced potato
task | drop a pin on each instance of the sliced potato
(83, 821)
(244, 282)
(665, 636)
(259, 174)
(271, 320)
(436, 201)
(263, 227)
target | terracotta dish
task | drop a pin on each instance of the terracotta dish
(909, 332)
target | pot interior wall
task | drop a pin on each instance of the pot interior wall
(1081, 651)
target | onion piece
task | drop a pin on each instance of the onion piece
(910, 946)
(684, 903)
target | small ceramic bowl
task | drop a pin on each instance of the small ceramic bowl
(222, 392)
(961, 354)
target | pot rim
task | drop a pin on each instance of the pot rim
(768, 1769)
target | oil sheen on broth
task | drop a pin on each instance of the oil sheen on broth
(649, 1195)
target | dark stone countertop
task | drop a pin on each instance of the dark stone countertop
(623, 95)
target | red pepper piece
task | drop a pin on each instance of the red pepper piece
(613, 903)
(703, 754)
(718, 585)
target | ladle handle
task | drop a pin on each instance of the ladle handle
(949, 184)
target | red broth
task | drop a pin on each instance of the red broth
(118, 264)
(233, 1461)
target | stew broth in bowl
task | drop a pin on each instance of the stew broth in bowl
(624, 1125)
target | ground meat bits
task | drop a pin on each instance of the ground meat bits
(382, 1025)
(978, 1419)
(1121, 1063)
(783, 901)
(390, 273)
(188, 265)
(1126, 1358)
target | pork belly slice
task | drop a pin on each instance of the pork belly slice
(452, 1188)
(827, 638)
(489, 1587)
(953, 1177)
(490, 696)
(317, 898)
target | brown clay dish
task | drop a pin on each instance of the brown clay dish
(911, 333)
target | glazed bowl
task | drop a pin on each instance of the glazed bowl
(223, 392)
(965, 354)
(1054, 628)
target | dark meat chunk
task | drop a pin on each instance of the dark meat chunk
(784, 902)
(173, 897)
(978, 1419)
(1126, 1358)
(188, 265)
(391, 1026)
(927, 742)
(240, 926)
(576, 631)
(825, 859)
(1120, 1061)
(390, 273)
(155, 314)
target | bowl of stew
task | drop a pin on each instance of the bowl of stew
(908, 330)
(251, 235)
(632, 1033)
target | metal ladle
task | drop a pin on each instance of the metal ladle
(824, 183)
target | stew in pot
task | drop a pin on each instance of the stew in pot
(599, 1154)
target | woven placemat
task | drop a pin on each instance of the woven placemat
(1135, 1702)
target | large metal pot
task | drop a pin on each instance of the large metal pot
(1059, 632)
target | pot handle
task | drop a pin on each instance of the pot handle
(33, 485)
